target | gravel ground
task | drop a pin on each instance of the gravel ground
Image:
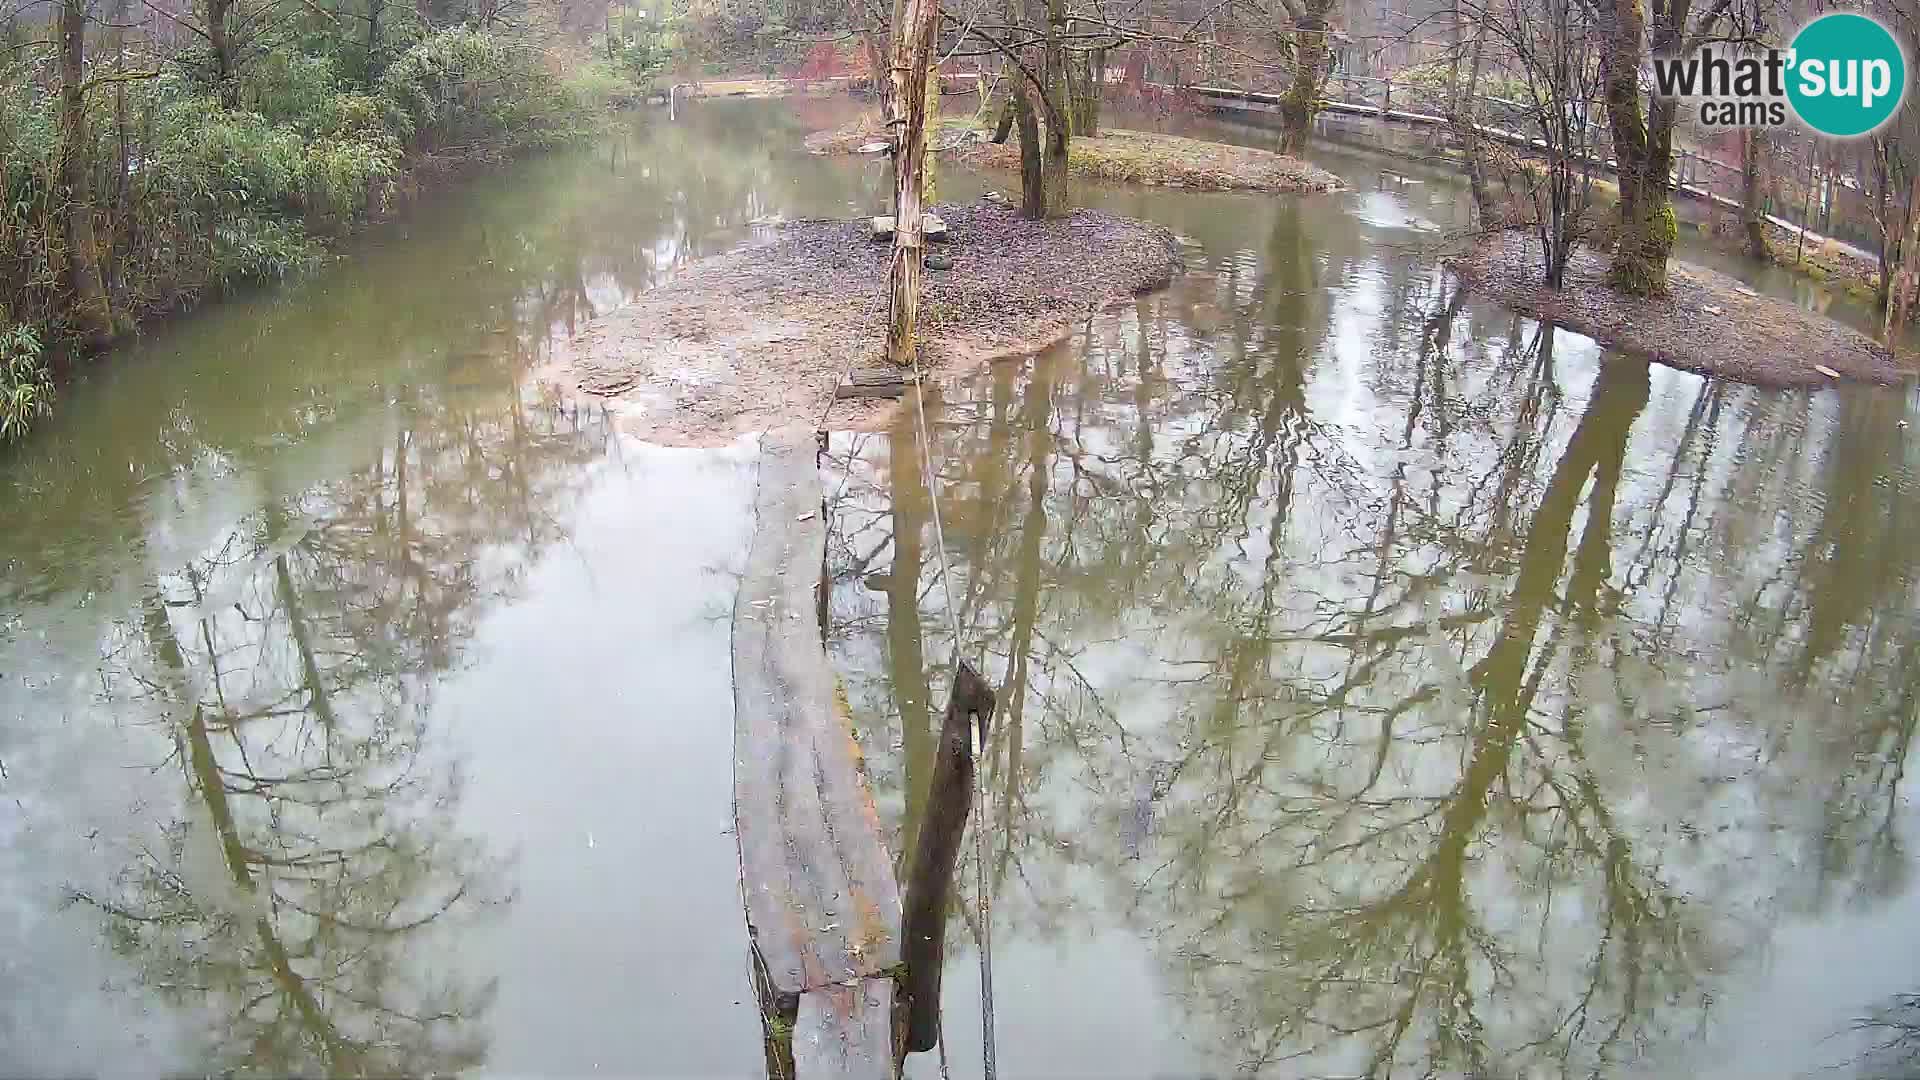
(1708, 323)
(759, 337)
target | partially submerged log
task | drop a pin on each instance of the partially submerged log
(936, 853)
(823, 907)
(931, 226)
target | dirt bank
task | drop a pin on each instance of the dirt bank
(759, 337)
(1141, 157)
(1708, 323)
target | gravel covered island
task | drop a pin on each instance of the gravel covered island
(760, 336)
(1707, 323)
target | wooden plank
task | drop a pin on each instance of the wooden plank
(822, 903)
(843, 1031)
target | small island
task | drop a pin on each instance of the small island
(761, 336)
(1706, 322)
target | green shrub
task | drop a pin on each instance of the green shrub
(26, 390)
(193, 195)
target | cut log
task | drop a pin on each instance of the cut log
(931, 227)
(885, 382)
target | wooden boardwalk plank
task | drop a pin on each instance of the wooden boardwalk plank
(842, 1031)
(823, 907)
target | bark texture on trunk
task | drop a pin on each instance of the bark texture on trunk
(220, 39)
(1025, 115)
(1643, 148)
(873, 44)
(1090, 75)
(1312, 64)
(1753, 148)
(1882, 206)
(1056, 97)
(92, 312)
(912, 52)
(1903, 298)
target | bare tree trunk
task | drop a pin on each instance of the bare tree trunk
(1643, 147)
(1903, 299)
(1088, 76)
(1055, 95)
(927, 161)
(873, 43)
(377, 8)
(1312, 63)
(1032, 192)
(1753, 145)
(1466, 120)
(92, 312)
(1888, 248)
(220, 39)
(912, 52)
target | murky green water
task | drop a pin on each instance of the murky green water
(1391, 687)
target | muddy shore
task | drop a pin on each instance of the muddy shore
(760, 337)
(1708, 323)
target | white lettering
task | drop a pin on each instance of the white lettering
(1813, 77)
(1878, 82)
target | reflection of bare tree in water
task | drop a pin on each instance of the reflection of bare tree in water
(1409, 735)
(311, 887)
(1891, 1034)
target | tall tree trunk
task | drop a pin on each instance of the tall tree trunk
(377, 8)
(1882, 207)
(1466, 120)
(220, 39)
(1643, 148)
(1033, 193)
(1055, 96)
(1090, 74)
(1903, 299)
(1753, 146)
(1312, 63)
(928, 189)
(873, 43)
(912, 52)
(92, 312)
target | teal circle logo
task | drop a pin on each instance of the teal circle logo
(1846, 75)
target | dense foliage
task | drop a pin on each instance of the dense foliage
(198, 173)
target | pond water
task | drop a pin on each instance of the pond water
(1391, 686)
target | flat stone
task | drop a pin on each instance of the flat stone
(931, 227)
(875, 382)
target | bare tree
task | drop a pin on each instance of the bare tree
(912, 52)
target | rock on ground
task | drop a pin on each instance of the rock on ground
(759, 337)
(1707, 323)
